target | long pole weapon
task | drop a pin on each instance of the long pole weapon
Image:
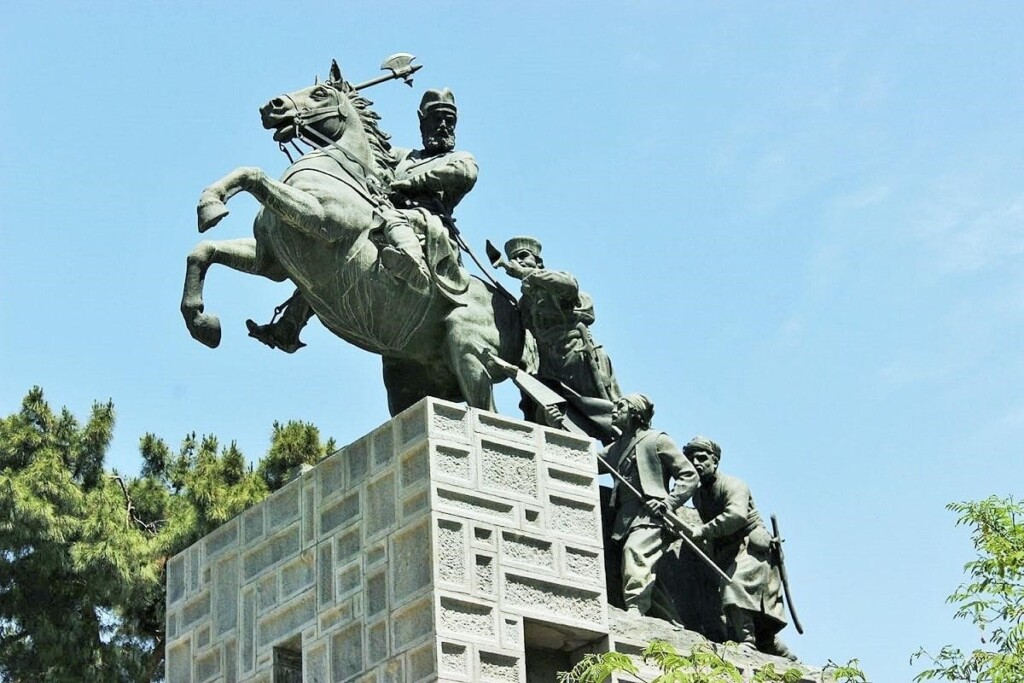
(545, 396)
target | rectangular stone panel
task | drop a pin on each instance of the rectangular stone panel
(572, 481)
(380, 505)
(347, 653)
(527, 550)
(421, 664)
(569, 449)
(415, 468)
(450, 422)
(340, 513)
(495, 666)
(331, 475)
(225, 589)
(414, 504)
(467, 619)
(284, 545)
(453, 462)
(476, 506)
(287, 621)
(349, 545)
(584, 563)
(350, 578)
(376, 594)
(325, 574)
(230, 661)
(484, 574)
(513, 430)
(179, 662)
(195, 609)
(510, 470)
(248, 631)
(314, 665)
(252, 524)
(357, 461)
(376, 643)
(266, 592)
(221, 539)
(412, 424)
(454, 659)
(558, 601)
(575, 517)
(409, 564)
(283, 506)
(383, 447)
(412, 623)
(451, 554)
(299, 574)
(176, 579)
(207, 666)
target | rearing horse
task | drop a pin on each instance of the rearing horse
(314, 229)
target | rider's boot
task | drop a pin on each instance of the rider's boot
(284, 333)
(402, 255)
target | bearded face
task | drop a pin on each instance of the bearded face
(438, 130)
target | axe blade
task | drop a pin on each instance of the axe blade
(400, 64)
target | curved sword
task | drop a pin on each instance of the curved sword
(782, 574)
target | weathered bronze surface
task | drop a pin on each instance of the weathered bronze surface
(325, 227)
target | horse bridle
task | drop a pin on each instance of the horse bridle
(302, 122)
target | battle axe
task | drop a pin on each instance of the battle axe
(400, 65)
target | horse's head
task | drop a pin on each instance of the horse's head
(332, 114)
(318, 113)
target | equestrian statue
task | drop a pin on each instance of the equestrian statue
(329, 226)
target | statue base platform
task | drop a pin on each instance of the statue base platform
(450, 544)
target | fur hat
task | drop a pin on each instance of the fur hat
(438, 99)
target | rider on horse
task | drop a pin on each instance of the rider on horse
(428, 185)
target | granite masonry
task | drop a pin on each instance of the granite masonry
(450, 544)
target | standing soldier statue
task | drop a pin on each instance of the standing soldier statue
(559, 316)
(740, 545)
(645, 462)
(428, 185)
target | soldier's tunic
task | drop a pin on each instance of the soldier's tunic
(648, 460)
(740, 546)
(438, 181)
(558, 314)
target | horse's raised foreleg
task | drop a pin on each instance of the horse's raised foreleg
(296, 207)
(239, 254)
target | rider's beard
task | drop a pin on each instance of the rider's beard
(439, 142)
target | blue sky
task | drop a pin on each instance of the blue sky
(802, 225)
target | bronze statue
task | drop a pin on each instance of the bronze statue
(558, 315)
(314, 229)
(427, 185)
(648, 460)
(740, 545)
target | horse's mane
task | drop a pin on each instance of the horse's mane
(380, 142)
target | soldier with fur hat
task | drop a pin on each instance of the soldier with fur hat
(559, 316)
(740, 544)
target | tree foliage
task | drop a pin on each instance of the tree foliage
(992, 598)
(83, 550)
(704, 664)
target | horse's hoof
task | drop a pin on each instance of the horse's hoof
(210, 213)
(205, 328)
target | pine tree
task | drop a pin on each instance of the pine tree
(83, 550)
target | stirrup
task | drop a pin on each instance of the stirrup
(270, 335)
(405, 267)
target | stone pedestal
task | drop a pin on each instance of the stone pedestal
(450, 544)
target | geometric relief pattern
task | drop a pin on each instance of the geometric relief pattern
(414, 554)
